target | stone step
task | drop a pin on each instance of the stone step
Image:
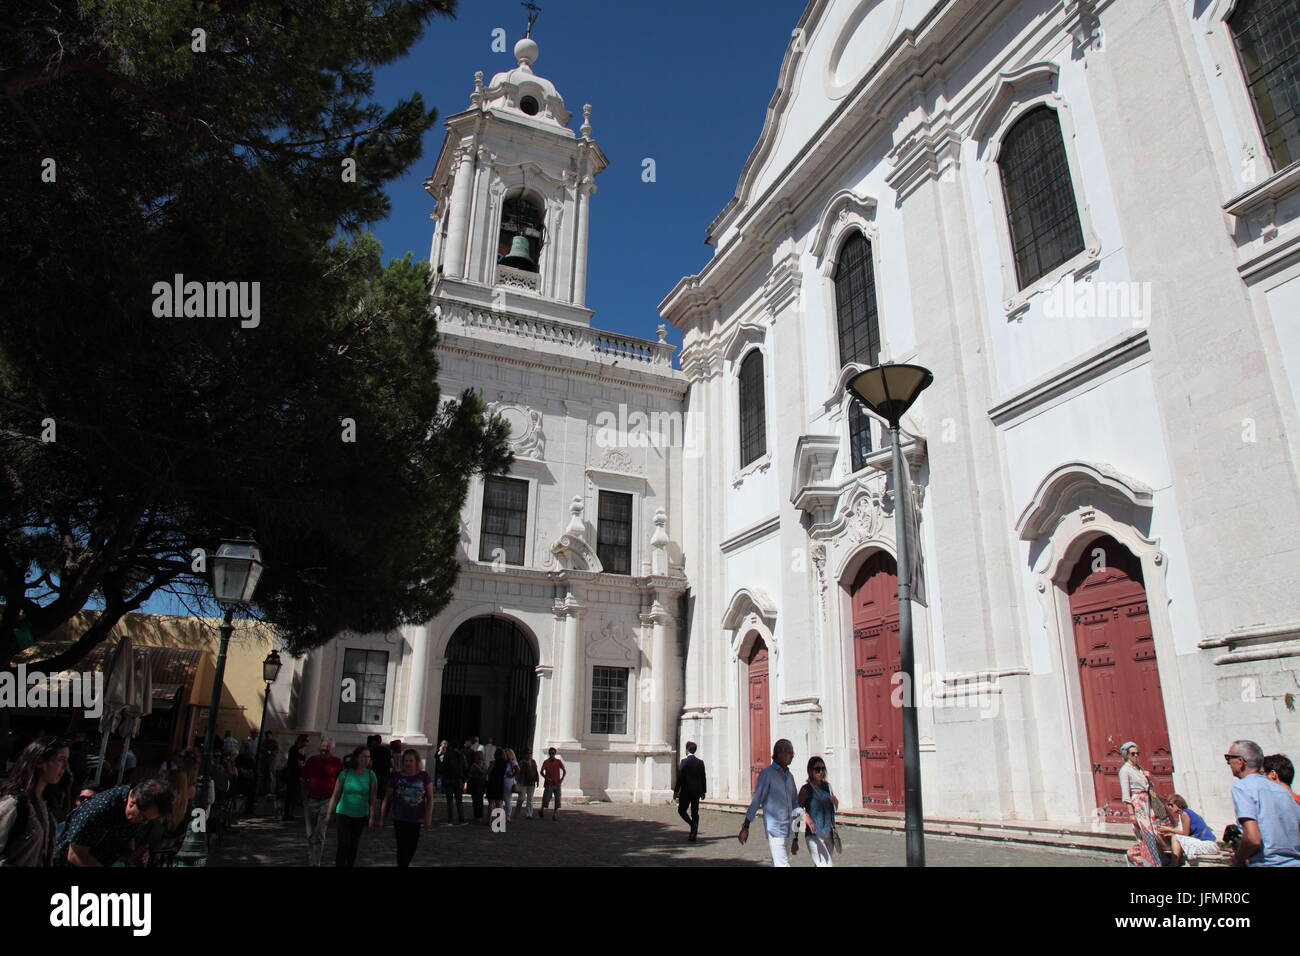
(1115, 840)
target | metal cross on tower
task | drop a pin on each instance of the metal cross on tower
(533, 11)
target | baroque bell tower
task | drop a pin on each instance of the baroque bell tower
(512, 185)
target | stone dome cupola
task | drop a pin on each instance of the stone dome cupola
(522, 93)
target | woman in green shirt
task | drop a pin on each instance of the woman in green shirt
(354, 802)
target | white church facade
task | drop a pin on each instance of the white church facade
(1084, 218)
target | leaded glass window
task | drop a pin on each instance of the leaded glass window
(1267, 33)
(365, 679)
(609, 700)
(855, 303)
(1041, 208)
(859, 435)
(753, 424)
(505, 520)
(614, 532)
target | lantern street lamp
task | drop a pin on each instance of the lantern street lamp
(889, 391)
(270, 671)
(236, 568)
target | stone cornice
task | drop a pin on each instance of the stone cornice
(751, 534)
(911, 68)
(614, 582)
(1112, 357)
(1258, 643)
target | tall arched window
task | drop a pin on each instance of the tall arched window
(519, 244)
(753, 414)
(1267, 33)
(855, 303)
(859, 435)
(1041, 210)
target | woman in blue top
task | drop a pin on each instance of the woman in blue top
(819, 805)
(354, 802)
(1189, 837)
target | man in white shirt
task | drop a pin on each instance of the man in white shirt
(489, 751)
(777, 793)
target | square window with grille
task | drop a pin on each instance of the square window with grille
(614, 532)
(609, 700)
(859, 435)
(365, 678)
(1267, 34)
(1041, 208)
(505, 520)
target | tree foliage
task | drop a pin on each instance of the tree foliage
(224, 164)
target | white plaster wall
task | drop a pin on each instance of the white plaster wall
(1284, 307)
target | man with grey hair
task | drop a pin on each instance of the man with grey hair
(1269, 818)
(777, 793)
(318, 776)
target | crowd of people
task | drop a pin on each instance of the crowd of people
(378, 783)
(52, 814)
(1169, 833)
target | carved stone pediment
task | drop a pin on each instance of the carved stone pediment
(527, 440)
(611, 643)
(572, 553)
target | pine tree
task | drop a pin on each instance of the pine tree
(231, 142)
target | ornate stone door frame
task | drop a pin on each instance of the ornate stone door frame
(750, 615)
(1074, 505)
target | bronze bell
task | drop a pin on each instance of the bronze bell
(518, 257)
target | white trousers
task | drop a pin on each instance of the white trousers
(780, 847)
(818, 849)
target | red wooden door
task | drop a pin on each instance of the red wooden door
(876, 660)
(760, 734)
(1117, 670)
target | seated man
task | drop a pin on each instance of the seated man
(1189, 837)
(107, 828)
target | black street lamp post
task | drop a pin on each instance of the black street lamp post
(889, 391)
(270, 671)
(236, 567)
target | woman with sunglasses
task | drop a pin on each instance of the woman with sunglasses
(819, 805)
(1135, 790)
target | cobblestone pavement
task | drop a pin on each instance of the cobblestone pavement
(604, 834)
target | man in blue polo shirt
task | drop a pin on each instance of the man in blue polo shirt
(777, 794)
(1269, 818)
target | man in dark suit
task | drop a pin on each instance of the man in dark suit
(692, 784)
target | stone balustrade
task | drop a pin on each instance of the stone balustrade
(558, 336)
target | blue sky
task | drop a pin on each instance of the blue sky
(686, 84)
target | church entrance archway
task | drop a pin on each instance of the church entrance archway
(760, 727)
(489, 684)
(876, 658)
(1118, 677)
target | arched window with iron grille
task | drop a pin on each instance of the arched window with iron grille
(856, 312)
(1267, 35)
(753, 413)
(1042, 213)
(859, 434)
